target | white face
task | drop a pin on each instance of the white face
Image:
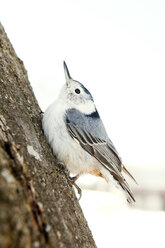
(75, 95)
(78, 97)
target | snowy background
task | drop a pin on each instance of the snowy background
(116, 49)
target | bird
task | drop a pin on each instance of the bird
(78, 138)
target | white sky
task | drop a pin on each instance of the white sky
(115, 48)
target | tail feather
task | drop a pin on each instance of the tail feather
(129, 174)
(126, 188)
(124, 185)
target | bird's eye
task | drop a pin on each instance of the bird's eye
(77, 91)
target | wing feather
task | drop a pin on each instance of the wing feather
(97, 148)
(103, 150)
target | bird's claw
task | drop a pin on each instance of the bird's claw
(62, 166)
(73, 182)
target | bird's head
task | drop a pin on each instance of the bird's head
(76, 95)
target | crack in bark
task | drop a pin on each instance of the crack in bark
(36, 207)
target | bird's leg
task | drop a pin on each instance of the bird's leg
(72, 180)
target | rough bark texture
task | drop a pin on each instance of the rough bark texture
(38, 207)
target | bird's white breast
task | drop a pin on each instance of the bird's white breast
(66, 149)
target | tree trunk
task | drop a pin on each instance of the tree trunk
(38, 207)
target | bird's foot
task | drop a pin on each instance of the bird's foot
(72, 180)
(62, 166)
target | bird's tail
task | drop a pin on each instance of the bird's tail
(120, 180)
(129, 174)
(125, 187)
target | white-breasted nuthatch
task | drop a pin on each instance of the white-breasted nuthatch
(78, 138)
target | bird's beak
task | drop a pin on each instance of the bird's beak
(67, 74)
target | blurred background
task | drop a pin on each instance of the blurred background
(117, 50)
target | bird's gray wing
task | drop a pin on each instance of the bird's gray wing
(89, 131)
(97, 147)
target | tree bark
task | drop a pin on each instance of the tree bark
(38, 208)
